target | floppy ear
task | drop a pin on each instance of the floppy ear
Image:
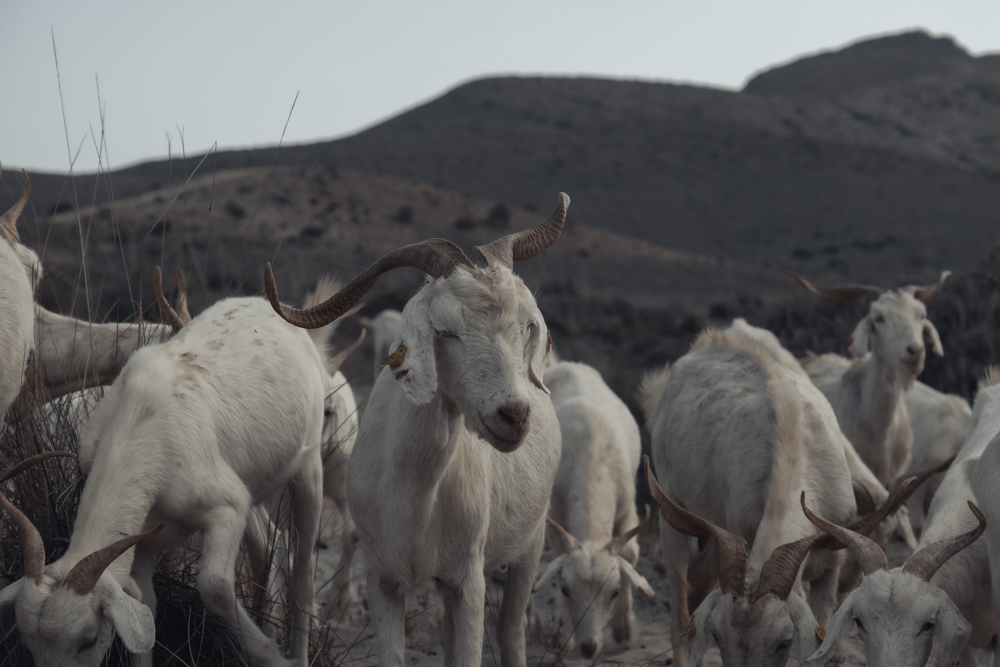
(806, 638)
(702, 640)
(632, 576)
(132, 619)
(418, 371)
(551, 571)
(950, 634)
(840, 623)
(931, 336)
(861, 342)
(8, 596)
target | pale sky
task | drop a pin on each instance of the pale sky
(227, 72)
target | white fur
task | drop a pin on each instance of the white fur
(385, 330)
(192, 434)
(442, 487)
(17, 319)
(594, 499)
(736, 437)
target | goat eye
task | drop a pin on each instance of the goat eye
(783, 645)
(613, 595)
(857, 622)
(87, 644)
(565, 591)
(879, 319)
(327, 412)
(929, 625)
(446, 334)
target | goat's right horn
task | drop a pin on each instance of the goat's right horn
(926, 562)
(570, 543)
(435, 257)
(85, 574)
(926, 292)
(8, 221)
(182, 298)
(617, 543)
(837, 294)
(732, 550)
(524, 245)
(334, 364)
(169, 314)
(869, 554)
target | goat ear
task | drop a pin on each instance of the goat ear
(839, 624)
(132, 619)
(806, 638)
(951, 631)
(551, 571)
(418, 371)
(633, 577)
(931, 335)
(702, 622)
(8, 596)
(861, 338)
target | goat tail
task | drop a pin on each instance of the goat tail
(650, 390)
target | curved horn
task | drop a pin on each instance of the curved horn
(616, 543)
(926, 292)
(435, 257)
(922, 475)
(169, 314)
(525, 245)
(8, 221)
(837, 294)
(869, 554)
(570, 543)
(31, 541)
(926, 562)
(30, 461)
(334, 364)
(182, 298)
(84, 575)
(732, 550)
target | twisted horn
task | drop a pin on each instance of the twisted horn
(525, 245)
(334, 364)
(84, 575)
(435, 257)
(926, 292)
(837, 294)
(169, 314)
(732, 551)
(569, 542)
(869, 554)
(616, 543)
(926, 562)
(8, 221)
(30, 461)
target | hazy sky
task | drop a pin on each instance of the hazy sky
(227, 72)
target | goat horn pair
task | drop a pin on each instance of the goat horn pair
(176, 319)
(8, 221)
(732, 551)
(615, 545)
(31, 540)
(838, 294)
(435, 257)
(334, 364)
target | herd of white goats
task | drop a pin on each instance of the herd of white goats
(475, 438)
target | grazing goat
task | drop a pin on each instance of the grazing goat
(964, 578)
(455, 458)
(867, 394)
(192, 435)
(385, 330)
(737, 437)
(594, 498)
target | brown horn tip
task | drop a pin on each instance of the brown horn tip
(85, 574)
(169, 314)
(524, 245)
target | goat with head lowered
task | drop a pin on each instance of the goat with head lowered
(455, 457)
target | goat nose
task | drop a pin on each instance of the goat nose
(515, 414)
(589, 649)
(915, 349)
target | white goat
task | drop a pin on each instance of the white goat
(385, 329)
(894, 608)
(737, 437)
(594, 498)
(454, 462)
(867, 395)
(192, 435)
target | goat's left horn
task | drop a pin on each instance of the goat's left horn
(837, 294)
(169, 314)
(869, 554)
(926, 562)
(334, 364)
(85, 574)
(926, 292)
(525, 245)
(32, 460)
(435, 257)
(8, 221)
(616, 543)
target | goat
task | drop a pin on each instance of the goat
(867, 395)
(454, 461)
(965, 578)
(191, 435)
(594, 498)
(737, 436)
(385, 330)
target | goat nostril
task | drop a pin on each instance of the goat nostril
(589, 649)
(915, 350)
(515, 414)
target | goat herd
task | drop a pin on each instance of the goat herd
(475, 438)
